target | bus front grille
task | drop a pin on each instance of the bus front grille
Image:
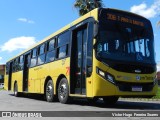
(123, 86)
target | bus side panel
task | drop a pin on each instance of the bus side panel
(90, 80)
(14, 77)
(60, 67)
(89, 86)
(19, 78)
(42, 73)
(6, 82)
(31, 79)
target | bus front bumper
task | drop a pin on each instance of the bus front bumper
(104, 88)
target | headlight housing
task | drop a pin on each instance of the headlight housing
(105, 75)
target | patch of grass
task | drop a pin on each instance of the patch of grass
(158, 94)
(1, 89)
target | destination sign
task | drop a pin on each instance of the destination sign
(124, 19)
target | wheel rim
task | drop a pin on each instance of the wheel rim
(49, 91)
(63, 90)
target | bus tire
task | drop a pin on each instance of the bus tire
(110, 100)
(63, 91)
(16, 93)
(49, 92)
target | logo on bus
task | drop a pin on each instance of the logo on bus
(138, 77)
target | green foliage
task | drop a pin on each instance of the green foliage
(1, 89)
(158, 94)
(84, 6)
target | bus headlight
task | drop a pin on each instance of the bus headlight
(106, 75)
(101, 73)
(110, 78)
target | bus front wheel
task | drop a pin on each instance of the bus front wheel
(63, 91)
(110, 100)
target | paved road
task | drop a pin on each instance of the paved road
(30, 103)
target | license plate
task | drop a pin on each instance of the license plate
(137, 89)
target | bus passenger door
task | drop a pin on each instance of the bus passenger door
(10, 75)
(78, 61)
(26, 71)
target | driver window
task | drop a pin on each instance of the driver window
(147, 49)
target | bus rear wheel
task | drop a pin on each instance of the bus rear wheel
(110, 100)
(63, 91)
(49, 93)
(16, 93)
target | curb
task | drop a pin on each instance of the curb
(140, 99)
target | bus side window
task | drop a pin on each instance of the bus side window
(33, 57)
(41, 54)
(18, 68)
(21, 62)
(63, 43)
(51, 45)
(41, 49)
(7, 68)
(62, 51)
(50, 56)
(63, 39)
(15, 65)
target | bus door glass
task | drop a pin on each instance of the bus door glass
(26, 71)
(10, 75)
(78, 61)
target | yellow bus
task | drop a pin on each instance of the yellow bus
(106, 53)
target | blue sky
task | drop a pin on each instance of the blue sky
(25, 22)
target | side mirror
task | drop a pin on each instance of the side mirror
(95, 29)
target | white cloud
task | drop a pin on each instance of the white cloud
(0, 58)
(22, 19)
(147, 11)
(26, 20)
(31, 21)
(22, 42)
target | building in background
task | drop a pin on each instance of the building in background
(2, 71)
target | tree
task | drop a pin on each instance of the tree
(84, 6)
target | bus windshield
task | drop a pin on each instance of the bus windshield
(125, 42)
